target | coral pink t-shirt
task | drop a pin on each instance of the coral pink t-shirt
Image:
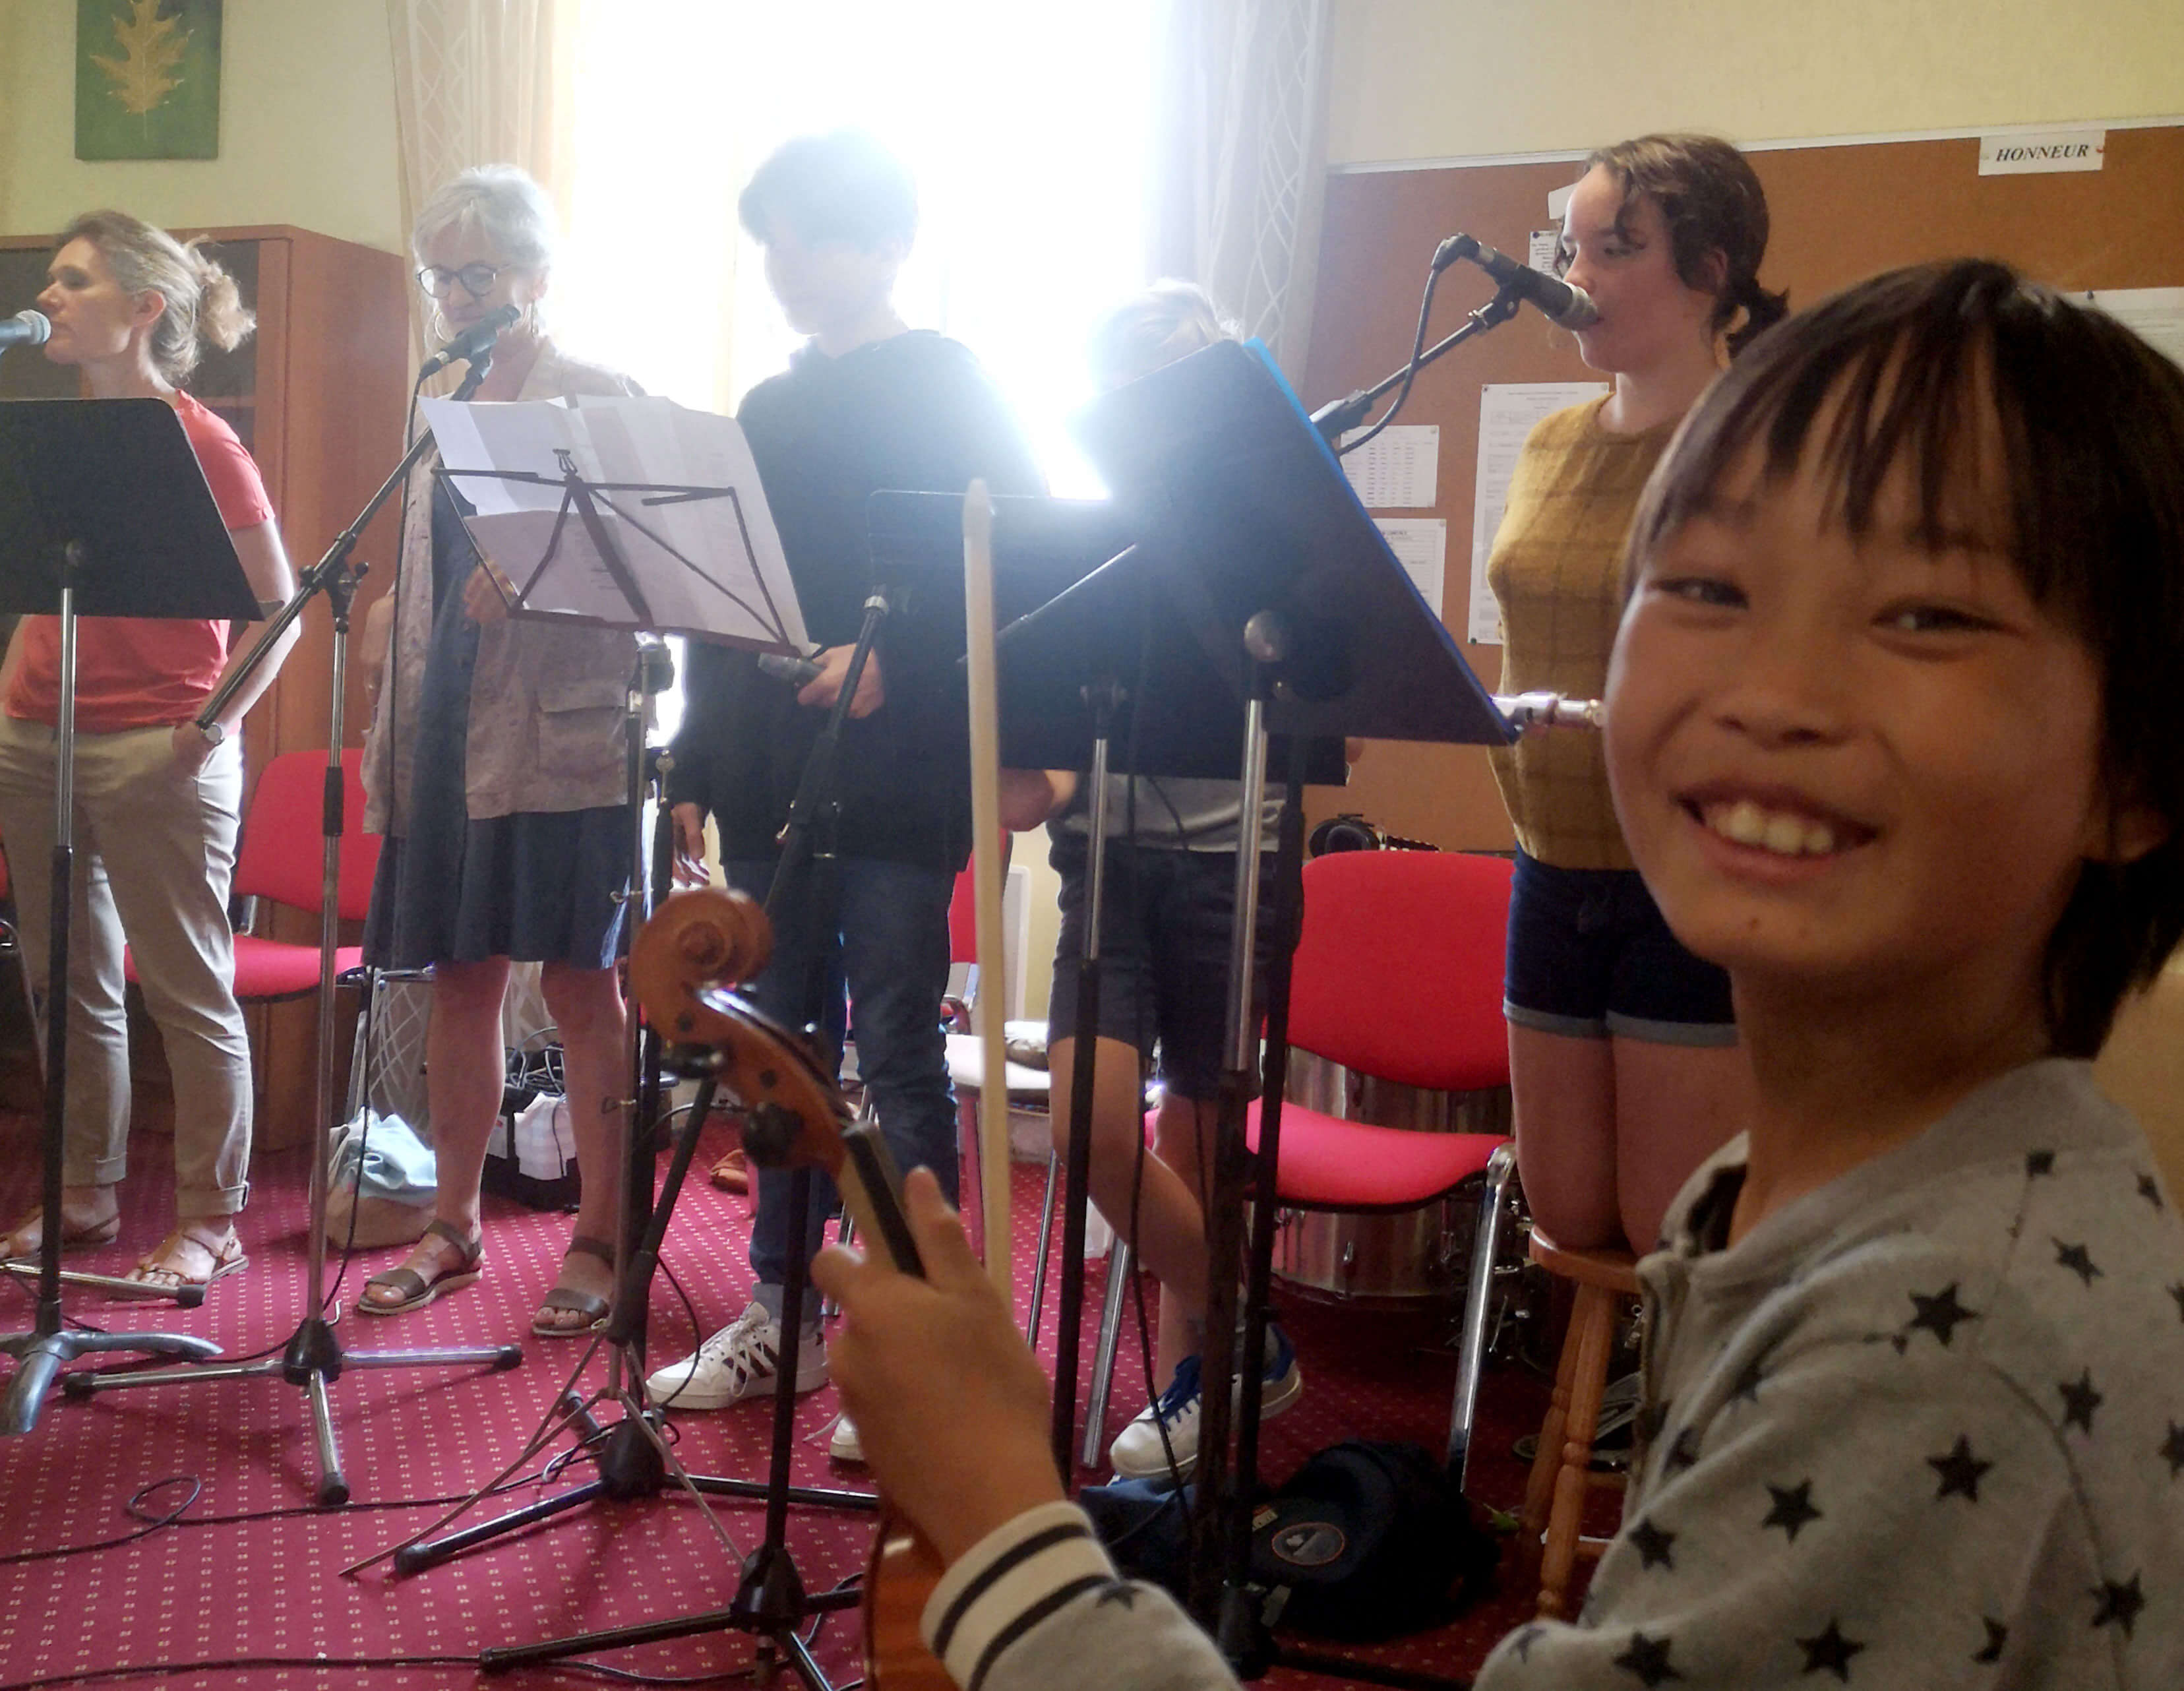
(143, 671)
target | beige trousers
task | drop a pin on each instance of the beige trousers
(154, 858)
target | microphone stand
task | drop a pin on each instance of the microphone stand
(1338, 417)
(313, 1358)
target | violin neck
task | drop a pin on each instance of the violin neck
(872, 1189)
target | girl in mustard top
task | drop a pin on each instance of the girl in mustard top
(1622, 1051)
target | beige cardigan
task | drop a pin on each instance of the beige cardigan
(547, 703)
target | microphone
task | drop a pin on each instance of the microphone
(1572, 308)
(797, 672)
(477, 339)
(29, 328)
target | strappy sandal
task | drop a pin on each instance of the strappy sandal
(589, 1306)
(157, 1271)
(414, 1291)
(73, 1238)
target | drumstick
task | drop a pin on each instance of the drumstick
(986, 860)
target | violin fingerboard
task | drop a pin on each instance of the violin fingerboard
(871, 1184)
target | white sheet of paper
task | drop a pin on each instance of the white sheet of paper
(1507, 411)
(1420, 544)
(1399, 469)
(710, 568)
(2156, 315)
(1545, 243)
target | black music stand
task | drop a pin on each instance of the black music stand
(103, 512)
(1261, 550)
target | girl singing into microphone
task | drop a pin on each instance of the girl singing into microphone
(1623, 1055)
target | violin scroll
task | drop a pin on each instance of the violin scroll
(708, 936)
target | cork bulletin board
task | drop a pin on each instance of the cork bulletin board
(1840, 212)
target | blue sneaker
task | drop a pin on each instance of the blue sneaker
(1137, 1451)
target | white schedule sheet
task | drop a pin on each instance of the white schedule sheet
(1507, 411)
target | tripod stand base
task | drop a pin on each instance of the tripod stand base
(313, 1359)
(39, 1358)
(769, 1603)
(185, 1296)
(630, 1468)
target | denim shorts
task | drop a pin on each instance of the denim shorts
(1164, 918)
(1590, 956)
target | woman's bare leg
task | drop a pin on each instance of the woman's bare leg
(1563, 1087)
(586, 1007)
(464, 1069)
(1676, 1105)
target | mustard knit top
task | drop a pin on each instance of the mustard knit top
(1556, 571)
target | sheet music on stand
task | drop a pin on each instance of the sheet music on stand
(670, 531)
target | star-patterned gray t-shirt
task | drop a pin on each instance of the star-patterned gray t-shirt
(1923, 1427)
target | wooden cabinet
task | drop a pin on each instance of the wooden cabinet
(317, 395)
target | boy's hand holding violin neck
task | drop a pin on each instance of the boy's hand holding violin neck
(949, 1405)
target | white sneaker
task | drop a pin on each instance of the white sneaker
(737, 1362)
(845, 1445)
(1137, 1451)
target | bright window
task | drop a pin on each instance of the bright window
(1025, 122)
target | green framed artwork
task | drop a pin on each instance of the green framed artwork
(148, 79)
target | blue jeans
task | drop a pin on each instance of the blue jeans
(888, 949)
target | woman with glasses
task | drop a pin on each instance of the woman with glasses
(495, 766)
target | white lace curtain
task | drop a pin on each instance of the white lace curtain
(1241, 116)
(481, 82)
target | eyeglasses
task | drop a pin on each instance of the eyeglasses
(478, 280)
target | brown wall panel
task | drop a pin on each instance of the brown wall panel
(1840, 212)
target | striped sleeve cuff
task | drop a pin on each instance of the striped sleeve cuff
(1008, 1583)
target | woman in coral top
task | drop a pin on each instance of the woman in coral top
(157, 799)
(1624, 1061)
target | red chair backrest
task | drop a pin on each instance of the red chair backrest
(282, 853)
(963, 907)
(963, 919)
(1399, 970)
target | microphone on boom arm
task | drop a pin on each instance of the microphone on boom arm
(1571, 307)
(477, 339)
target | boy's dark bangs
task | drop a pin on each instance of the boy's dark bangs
(1914, 359)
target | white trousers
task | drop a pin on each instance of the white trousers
(154, 859)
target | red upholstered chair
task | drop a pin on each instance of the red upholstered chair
(1398, 975)
(281, 859)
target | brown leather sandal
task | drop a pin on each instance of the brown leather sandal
(413, 1289)
(566, 1300)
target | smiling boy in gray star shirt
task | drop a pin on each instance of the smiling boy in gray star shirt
(1887, 734)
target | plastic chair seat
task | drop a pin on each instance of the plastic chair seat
(273, 968)
(1330, 1163)
(967, 1068)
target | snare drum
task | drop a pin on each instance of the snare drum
(1392, 1261)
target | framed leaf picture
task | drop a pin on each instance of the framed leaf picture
(148, 79)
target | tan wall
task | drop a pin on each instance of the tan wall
(1436, 79)
(306, 127)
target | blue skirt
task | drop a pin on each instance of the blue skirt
(538, 887)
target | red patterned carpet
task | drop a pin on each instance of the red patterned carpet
(244, 1587)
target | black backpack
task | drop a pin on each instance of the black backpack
(1365, 1541)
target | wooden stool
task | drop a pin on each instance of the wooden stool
(1549, 1525)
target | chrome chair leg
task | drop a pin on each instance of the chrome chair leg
(1103, 1361)
(1045, 1244)
(1501, 1169)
